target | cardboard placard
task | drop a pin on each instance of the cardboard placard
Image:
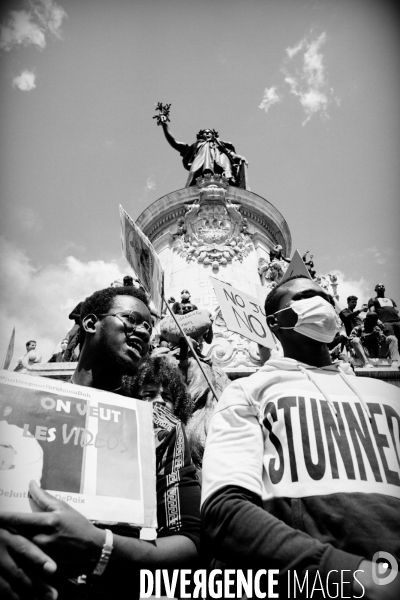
(193, 323)
(142, 257)
(92, 449)
(243, 313)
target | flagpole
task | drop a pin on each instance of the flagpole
(190, 346)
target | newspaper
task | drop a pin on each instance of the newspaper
(93, 449)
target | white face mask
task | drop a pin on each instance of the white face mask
(317, 318)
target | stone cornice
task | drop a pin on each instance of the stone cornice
(164, 213)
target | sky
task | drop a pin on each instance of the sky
(306, 90)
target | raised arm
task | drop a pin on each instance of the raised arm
(179, 146)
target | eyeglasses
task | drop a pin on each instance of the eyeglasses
(133, 318)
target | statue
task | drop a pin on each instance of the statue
(274, 270)
(334, 285)
(271, 271)
(209, 154)
(182, 230)
(322, 281)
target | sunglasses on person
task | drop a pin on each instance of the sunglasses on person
(131, 318)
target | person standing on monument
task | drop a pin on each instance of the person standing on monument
(372, 336)
(115, 334)
(351, 319)
(387, 311)
(59, 356)
(209, 154)
(186, 304)
(32, 356)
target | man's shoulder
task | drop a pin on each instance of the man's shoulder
(248, 390)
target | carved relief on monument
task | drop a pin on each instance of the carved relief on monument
(271, 272)
(231, 350)
(213, 231)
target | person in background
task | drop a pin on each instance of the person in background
(177, 308)
(387, 311)
(32, 356)
(376, 343)
(59, 356)
(128, 280)
(160, 380)
(351, 319)
(186, 304)
(350, 316)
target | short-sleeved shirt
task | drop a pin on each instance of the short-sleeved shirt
(385, 308)
(350, 320)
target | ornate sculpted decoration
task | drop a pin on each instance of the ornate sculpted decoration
(271, 272)
(231, 350)
(213, 231)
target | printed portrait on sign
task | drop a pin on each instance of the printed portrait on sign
(45, 437)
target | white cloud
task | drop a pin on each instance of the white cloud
(150, 183)
(306, 79)
(25, 81)
(309, 83)
(28, 219)
(380, 255)
(348, 286)
(296, 49)
(270, 97)
(29, 26)
(37, 299)
(49, 14)
(19, 28)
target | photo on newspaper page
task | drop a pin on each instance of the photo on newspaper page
(90, 448)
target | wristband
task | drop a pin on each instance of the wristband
(105, 555)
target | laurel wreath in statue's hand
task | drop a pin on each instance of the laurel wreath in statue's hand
(163, 113)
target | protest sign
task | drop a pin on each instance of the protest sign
(243, 313)
(10, 351)
(194, 324)
(140, 254)
(90, 448)
(296, 267)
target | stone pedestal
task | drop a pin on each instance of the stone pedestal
(213, 229)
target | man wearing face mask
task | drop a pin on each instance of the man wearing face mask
(301, 471)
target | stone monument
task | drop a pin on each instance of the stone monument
(215, 227)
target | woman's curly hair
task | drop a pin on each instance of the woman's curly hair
(164, 371)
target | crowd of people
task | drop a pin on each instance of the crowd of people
(376, 336)
(295, 468)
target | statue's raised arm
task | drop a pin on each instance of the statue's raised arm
(209, 154)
